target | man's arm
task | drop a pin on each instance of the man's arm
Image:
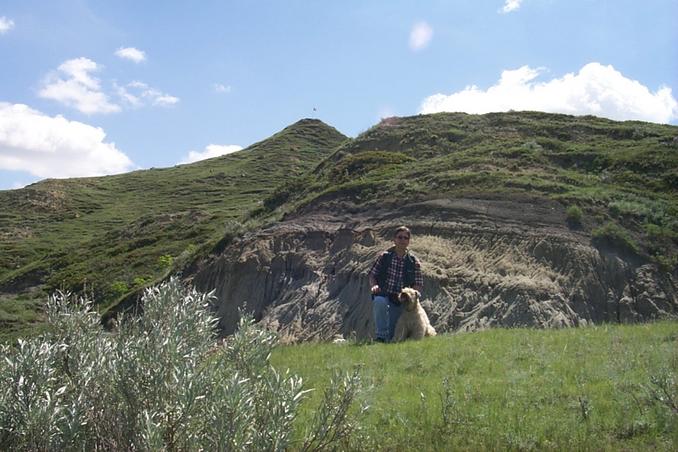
(374, 285)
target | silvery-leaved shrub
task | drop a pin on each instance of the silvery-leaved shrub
(160, 382)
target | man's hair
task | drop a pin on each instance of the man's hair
(402, 229)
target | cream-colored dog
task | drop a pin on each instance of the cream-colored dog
(413, 322)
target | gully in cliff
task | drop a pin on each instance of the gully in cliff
(394, 269)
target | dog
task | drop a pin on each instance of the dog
(413, 322)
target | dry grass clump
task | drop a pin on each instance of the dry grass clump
(485, 260)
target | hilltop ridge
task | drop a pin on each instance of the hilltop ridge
(113, 235)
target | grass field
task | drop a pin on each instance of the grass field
(612, 387)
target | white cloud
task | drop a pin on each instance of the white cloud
(138, 94)
(510, 6)
(420, 36)
(596, 90)
(219, 88)
(212, 150)
(5, 25)
(162, 100)
(73, 85)
(132, 54)
(127, 98)
(55, 147)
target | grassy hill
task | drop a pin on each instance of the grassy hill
(110, 235)
(617, 179)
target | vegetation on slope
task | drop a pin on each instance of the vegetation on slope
(112, 235)
(618, 179)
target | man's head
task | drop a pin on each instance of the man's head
(401, 237)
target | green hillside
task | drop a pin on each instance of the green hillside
(617, 179)
(111, 235)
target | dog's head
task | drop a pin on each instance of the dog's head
(409, 298)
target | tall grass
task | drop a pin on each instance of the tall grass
(608, 387)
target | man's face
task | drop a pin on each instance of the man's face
(402, 239)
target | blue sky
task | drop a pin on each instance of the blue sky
(101, 87)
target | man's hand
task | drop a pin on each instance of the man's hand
(375, 289)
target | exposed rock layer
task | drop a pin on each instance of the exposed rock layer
(486, 263)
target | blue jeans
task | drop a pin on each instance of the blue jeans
(385, 317)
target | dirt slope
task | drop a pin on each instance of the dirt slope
(486, 262)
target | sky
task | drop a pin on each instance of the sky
(90, 88)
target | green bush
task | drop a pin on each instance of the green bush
(574, 215)
(626, 207)
(616, 236)
(119, 288)
(165, 261)
(286, 191)
(654, 211)
(360, 164)
(232, 230)
(666, 263)
(140, 281)
(160, 382)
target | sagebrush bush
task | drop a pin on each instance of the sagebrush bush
(574, 215)
(160, 382)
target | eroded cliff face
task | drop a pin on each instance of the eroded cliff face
(486, 263)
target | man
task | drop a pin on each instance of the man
(394, 269)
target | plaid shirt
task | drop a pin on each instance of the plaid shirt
(394, 274)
